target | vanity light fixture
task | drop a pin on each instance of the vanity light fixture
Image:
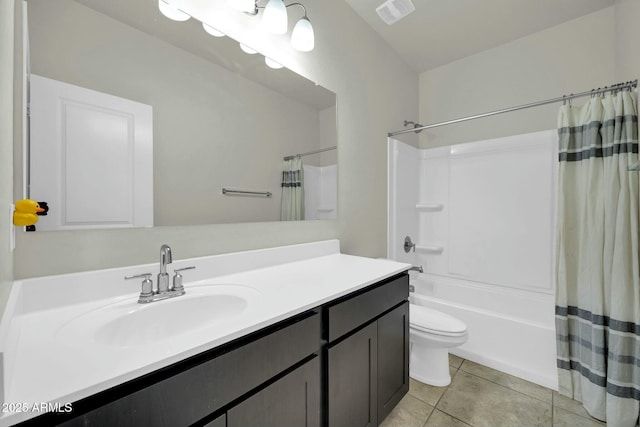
(172, 12)
(271, 63)
(302, 37)
(247, 6)
(212, 31)
(274, 18)
(275, 21)
(247, 49)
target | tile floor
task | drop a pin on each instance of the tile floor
(483, 397)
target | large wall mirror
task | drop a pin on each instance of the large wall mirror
(137, 120)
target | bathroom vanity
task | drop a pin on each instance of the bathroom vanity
(323, 340)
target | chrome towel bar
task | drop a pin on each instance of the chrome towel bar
(229, 191)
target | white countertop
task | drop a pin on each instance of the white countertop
(40, 367)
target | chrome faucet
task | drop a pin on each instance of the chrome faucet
(418, 268)
(164, 291)
(163, 277)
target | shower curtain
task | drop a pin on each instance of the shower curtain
(292, 202)
(598, 285)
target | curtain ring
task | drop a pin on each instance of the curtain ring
(570, 98)
(564, 99)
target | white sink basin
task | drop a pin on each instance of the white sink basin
(128, 324)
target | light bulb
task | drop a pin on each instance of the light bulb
(247, 49)
(274, 18)
(271, 63)
(212, 31)
(172, 12)
(243, 5)
(302, 37)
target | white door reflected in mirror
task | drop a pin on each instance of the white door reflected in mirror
(91, 157)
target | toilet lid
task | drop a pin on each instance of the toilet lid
(429, 320)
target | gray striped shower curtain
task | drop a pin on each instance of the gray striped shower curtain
(597, 273)
(292, 201)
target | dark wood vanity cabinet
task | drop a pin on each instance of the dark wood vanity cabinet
(294, 400)
(275, 362)
(368, 355)
(342, 364)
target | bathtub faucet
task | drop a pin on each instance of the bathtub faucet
(418, 269)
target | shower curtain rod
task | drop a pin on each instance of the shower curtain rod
(308, 153)
(618, 86)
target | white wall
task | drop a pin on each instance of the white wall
(328, 137)
(376, 91)
(573, 57)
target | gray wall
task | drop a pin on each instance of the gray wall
(573, 57)
(6, 147)
(627, 35)
(376, 91)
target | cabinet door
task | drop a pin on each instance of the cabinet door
(393, 359)
(353, 387)
(221, 421)
(292, 401)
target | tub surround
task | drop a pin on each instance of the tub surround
(40, 366)
(486, 243)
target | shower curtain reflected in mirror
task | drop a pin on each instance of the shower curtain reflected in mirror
(292, 202)
(598, 284)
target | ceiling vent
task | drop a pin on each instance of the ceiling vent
(392, 11)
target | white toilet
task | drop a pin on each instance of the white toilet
(432, 333)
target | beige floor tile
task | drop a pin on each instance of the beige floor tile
(509, 381)
(562, 418)
(410, 412)
(452, 371)
(440, 419)
(570, 405)
(428, 393)
(482, 403)
(455, 360)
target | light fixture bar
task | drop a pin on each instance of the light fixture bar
(172, 12)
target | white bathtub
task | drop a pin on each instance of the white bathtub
(511, 330)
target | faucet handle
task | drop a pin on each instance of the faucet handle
(408, 244)
(147, 286)
(177, 279)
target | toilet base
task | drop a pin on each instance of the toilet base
(431, 366)
(430, 381)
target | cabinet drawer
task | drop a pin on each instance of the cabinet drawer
(191, 395)
(357, 310)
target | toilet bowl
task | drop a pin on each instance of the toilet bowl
(431, 334)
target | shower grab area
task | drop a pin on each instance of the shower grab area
(481, 216)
